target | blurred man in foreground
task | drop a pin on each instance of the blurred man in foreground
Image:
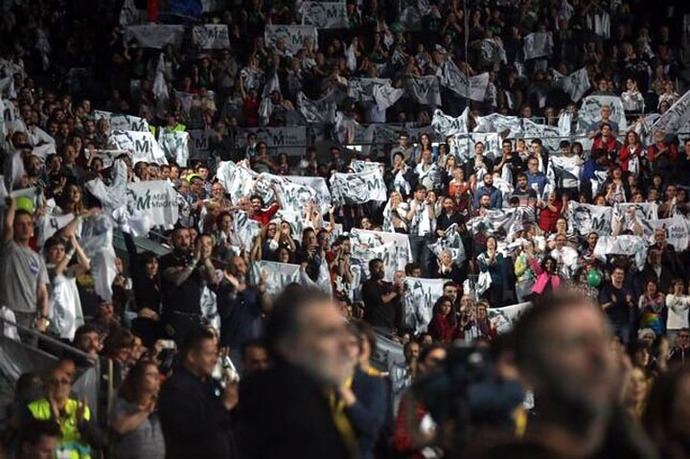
(564, 354)
(285, 411)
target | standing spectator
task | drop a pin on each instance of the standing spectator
(182, 277)
(381, 298)
(491, 261)
(134, 417)
(24, 286)
(618, 304)
(194, 408)
(240, 305)
(678, 304)
(422, 219)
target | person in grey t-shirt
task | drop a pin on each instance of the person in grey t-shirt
(23, 274)
(134, 417)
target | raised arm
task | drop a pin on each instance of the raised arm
(8, 221)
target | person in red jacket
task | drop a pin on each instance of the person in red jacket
(662, 156)
(606, 141)
(630, 154)
(443, 326)
(551, 209)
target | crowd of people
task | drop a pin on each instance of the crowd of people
(211, 358)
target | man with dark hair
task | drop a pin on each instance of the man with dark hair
(183, 272)
(526, 195)
(284, 411)
(381, 298)
(254, 357)
(617, 302)
(38, 439)
(563, 352)
(24, 286)
(496, 199)
(194, 408)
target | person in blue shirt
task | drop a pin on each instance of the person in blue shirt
(489, 189)
(535, 178)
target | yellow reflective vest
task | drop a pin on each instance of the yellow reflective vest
(70, 445)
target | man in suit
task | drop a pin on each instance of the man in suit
(655, 270)
(285, 411)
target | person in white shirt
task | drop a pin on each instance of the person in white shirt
(422, 225)
(565, 256)
(678, 304)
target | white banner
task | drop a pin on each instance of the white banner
(676, 117)
(278, 275)
(157, 199)
(358, 188)
(318, 184)
(538, 44)
(198, 143)
(293, 35)
(462, 146)
(425, 90)
(317, 111)
(237, 179)
(634, 246)
(175, 145)
(120, 122)
(585, 218)
(290, 140)
(97, 243)
(155, 36)
(564, 172)
(445, 125)
(324, 15)
(451, 241)
(245, 229)
(575, 85)
(503, 221)
(590, 112)
(211, 36)
(418, 301)
(503, 319)
(397, 253)
(676, 229)
(451, 77)
(142, 146)
(51, 224)
(635, 217)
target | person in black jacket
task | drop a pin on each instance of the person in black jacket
(194, 409)
(286, 411)
(147, 296)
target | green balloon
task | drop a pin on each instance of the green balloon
(25, 203)
(594, 278)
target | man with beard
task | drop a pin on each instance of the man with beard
(564, 355)
(285, 412)
(381, 299)
(183, 272)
